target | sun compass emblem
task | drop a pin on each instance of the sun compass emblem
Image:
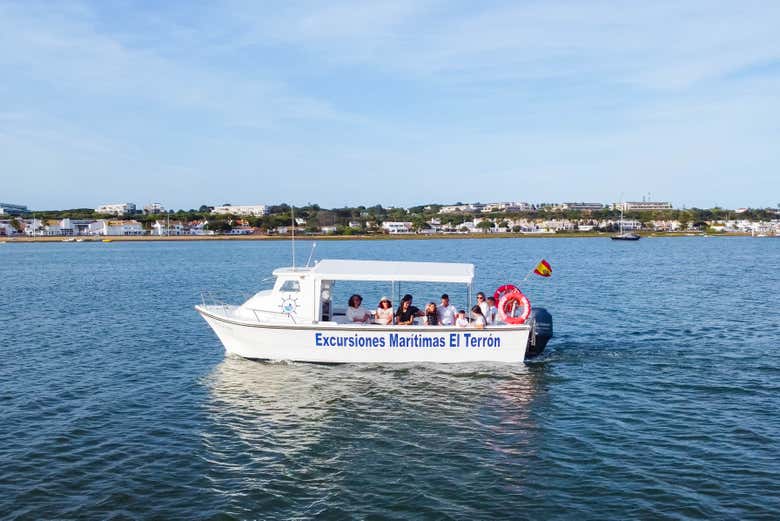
(289, 304)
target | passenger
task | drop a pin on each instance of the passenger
(447, 312)
(482, 303)
(355, 310)
(477, 318)
(462, 321)
(431, 316)
(384, 312)
(492, 315)
(406, 312)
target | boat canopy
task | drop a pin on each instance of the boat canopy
(393, 271)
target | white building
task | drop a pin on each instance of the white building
(116, 209)
(242, 230)
(640, 206)
(199, 228)
(462, 208)
(507, 207)
(123, 228)
(394, 227)
(53, 228)
(257, 210)
(33, 227)
(154, 208)
(6, 229)
(164, 228)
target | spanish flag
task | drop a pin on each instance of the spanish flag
(543, 268)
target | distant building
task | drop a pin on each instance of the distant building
(395, 227)
(257, 210)
(506, 207)
(12, 209)
(582, 206)
(242, 230)
(455, 208)
(463, 208)
(154, 208)
(162, 228)
(7, 229)
(641, 206)
(116, 209)
(125, 228)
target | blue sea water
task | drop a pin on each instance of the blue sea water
(658, 398)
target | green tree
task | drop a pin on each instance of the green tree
(418, 223)
(485, 225)
(219, 225)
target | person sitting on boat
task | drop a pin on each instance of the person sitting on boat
(447, 312)
(477, 318)
(406, 312)
(482, 303)
(462, 321)
(492, 314)
(355, 310)
(431, 315)
(384, 312)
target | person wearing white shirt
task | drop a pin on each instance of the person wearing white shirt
(447, 312)
(355, 310)
(384, 312)
(492, 315)
(462, 321)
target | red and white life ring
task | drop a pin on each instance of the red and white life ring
(503, 290)
(507, 307)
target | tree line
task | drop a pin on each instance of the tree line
(316, 217)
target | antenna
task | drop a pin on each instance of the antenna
(292, 216)
(311, 254)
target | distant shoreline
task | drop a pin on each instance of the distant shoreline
(179, 238)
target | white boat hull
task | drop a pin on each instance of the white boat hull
(329, 342)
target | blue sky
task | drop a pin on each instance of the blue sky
(394, 103)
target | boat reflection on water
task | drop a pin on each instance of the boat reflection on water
(310, 428)
(260, 402)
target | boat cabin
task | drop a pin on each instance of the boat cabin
(304, 295)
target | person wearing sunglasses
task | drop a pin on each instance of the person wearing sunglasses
(482, 303)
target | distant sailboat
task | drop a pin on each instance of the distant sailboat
(625, 236)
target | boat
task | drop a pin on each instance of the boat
(625, 236)
(107, 240)
(297, 321)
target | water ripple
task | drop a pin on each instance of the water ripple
(656, 399)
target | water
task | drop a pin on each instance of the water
(657, 398)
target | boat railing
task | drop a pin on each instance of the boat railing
(214, 299)
(273, 314)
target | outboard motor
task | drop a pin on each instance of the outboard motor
(541, 324)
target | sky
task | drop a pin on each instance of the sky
(399, 103)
